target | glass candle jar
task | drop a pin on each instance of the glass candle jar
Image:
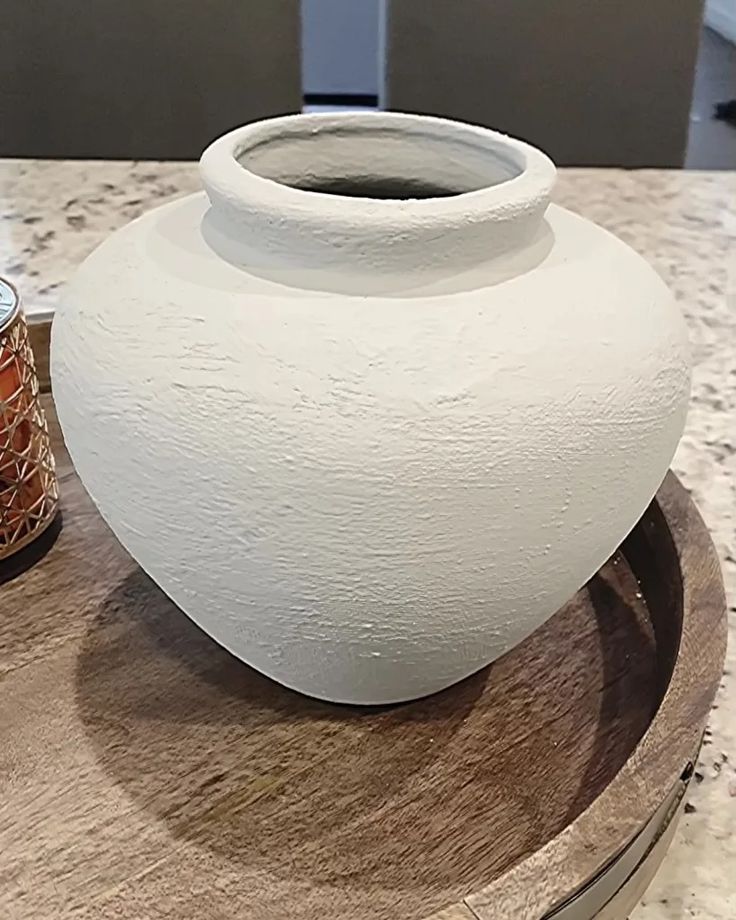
(29, 497)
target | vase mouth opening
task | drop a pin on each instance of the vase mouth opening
(371, 184)
(373, 157)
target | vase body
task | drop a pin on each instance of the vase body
(369, 442)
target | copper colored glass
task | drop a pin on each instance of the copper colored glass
(29, 495)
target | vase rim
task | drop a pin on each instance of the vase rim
(502, 186)
(222, 159)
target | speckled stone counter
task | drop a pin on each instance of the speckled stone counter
(52, 214)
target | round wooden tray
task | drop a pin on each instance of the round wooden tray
(148, 774)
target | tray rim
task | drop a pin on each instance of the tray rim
(592, 843)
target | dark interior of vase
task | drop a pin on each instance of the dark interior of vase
(381, 187)
(369, 158)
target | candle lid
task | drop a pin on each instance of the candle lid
(9, 304)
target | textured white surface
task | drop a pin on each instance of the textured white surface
(368, 498)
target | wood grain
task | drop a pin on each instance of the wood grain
(148, 774)
(680, 579)
(39, 334)
(604, 889)
(456, 912)
(630, 893)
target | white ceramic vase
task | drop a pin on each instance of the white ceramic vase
(370, 409)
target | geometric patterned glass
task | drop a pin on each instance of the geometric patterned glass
(29, 494)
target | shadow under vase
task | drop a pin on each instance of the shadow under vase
(425, 800)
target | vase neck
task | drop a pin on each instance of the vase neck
(361, 196)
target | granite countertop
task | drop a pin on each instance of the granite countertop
(53, 213)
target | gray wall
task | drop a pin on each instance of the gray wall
(141, 78)
(593, 82)
(340, 46)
